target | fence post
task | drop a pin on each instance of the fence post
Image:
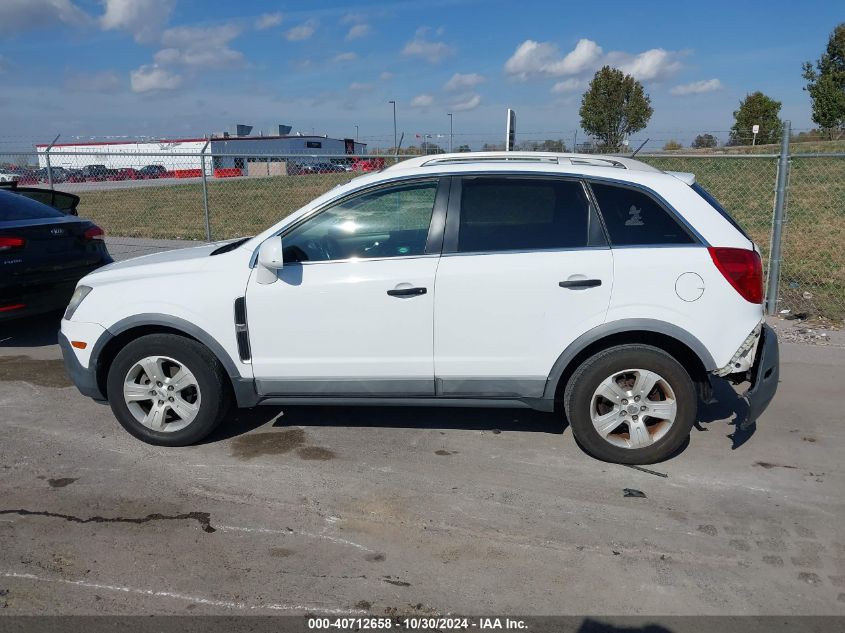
(205, 191)
(777, 222)
(47, 158)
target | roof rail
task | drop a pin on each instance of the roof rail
(511, 157)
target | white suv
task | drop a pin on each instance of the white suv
(598, 287)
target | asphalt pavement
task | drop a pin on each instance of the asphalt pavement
(346, 510)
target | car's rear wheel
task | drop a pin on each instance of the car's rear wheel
(631, 404)
(168, 390)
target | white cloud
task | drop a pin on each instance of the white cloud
(345, 57)
(543, 59)
(268, 21)
(463, 81)
(697, 87)
(420, 46)
(567, 85)
(200, 47)
(656, 64)
(106, 82)
(356, 86)
(357, 31)
(302, 32)
(153, 78)
(386, 76)
(469, 103)
(142, 18)
(23, 15)
(422, 101)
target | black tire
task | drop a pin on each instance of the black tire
(211, 379)
(578, 398)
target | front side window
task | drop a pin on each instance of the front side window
(634, 218)
(512, 213)
(388, 222)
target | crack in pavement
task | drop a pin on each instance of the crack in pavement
(203, 518)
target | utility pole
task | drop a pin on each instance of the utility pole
(396, 149)
(449, 114)
(356, 133)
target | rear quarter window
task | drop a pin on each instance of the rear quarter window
(634, 218)
(701, 191)
(14, 208)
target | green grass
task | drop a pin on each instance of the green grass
(814, 235)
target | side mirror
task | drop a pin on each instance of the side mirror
(270, 260)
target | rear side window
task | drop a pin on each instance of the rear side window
(701, 191)
(15, 207)
(507, 214)
(634, 218)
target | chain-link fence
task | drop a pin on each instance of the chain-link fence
(197, 197)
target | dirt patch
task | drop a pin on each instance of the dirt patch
(378, 557)
(769, 465)
(315, 452)
(61, 482)
(44, 373)
(364, 604)
(280, 552)
(443, 453)
(271, 443)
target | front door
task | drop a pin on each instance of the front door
(351, 313)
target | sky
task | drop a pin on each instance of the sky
(166, 68)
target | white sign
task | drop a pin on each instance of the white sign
(755, 129)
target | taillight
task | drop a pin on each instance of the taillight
(10, 243)
(743, 270)
(94, 233)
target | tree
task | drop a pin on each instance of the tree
(704, 140)
(614, 106)
(464, 148)
(756, 109)
(826, 84)
(672, 144)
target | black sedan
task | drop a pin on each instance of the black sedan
(43, 254)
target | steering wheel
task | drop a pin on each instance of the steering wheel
(321, 247)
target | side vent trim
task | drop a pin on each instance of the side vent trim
(241, 332)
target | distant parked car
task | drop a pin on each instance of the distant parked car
(8, 176)
(97, 172)
(127, 173)
(43, 253)
(151, 171)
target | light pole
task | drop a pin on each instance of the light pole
(449, 114)
(356, 133)
(395, 149)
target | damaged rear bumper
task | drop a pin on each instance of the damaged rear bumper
(765, 373)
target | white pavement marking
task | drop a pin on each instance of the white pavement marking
(181, 596)
(341, 541)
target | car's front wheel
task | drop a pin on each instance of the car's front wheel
(168, 390)
(631, 404)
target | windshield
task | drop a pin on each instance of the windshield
(15, 207)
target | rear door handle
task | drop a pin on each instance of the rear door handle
(574, 284)
(407, 292)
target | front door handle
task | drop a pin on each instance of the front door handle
(407, 292)
(574, 284)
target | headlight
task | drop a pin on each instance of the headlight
(78, 295)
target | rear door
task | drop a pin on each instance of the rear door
(525, 270)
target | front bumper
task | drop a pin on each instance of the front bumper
(765, 374)
(84, 378)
